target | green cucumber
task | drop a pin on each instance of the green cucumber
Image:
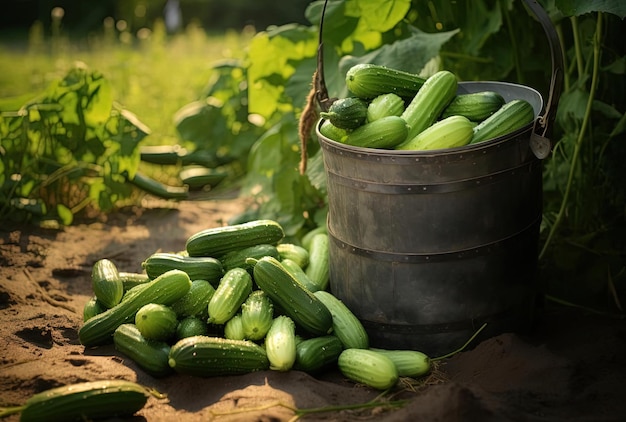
(368, 80)
(150, 355)
(218, 241)
(165, 289)
(207, 356)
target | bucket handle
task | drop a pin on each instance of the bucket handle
(540, 143)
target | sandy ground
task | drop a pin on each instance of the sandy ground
(571, 368)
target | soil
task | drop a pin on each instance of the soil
(571, 367)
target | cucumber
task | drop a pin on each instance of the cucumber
(451, 132)
(294, 252)
(92, 308)
(385, 105)
(318, 270)
(130, 279)
(307, 311)
(151, 356)
(384, 133)
(200, 177)
(346, 113)
(429, 102)
(156, 322)
(332, 132)
(197, 268)
(165, 289)
(233, 289)
(299, 274)
(280, 343)
(85, 401)
(368, 367)
(317, 353)
(207, 356)
(159, 189)
(409, 363)
(106, 283)
(475, 106)
(191, 326)
(218, 241)
(346, 326)
(233, 329)
(368, 80)
(512, 116)
(237, 259)
(257, 314)
(196, 300)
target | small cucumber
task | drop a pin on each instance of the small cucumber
(346, 113)
(368, 367)
(385, 105)
(151, 356)
(233, 289)
(156, 322)
(280, 343)
(106, 283)
(257, 314)
(317, 353)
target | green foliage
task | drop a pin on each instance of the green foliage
(67, 149)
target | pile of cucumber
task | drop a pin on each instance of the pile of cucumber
(392, 109)
(237, 299)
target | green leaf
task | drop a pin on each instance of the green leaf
(420, 47)
(65, 214)
(383, 15)
(581, 7)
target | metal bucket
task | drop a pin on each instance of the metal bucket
(426, 246)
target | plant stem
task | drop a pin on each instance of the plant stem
(460, 349)
(581, 133)
(577, 47)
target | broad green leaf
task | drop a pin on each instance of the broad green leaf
(273, 57)
(409, 54)
(383, 15)
(581, 7)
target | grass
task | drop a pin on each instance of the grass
(152, 74)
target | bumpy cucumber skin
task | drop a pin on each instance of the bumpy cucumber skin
(207, 356)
